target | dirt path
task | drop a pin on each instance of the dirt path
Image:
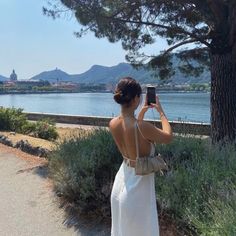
(27, 204)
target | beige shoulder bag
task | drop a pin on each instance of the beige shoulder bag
(148, 164)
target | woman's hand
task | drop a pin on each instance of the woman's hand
(144, 109)
(146, 106)
(157, 105)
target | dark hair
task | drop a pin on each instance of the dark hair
(126, 90)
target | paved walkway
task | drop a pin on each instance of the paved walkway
(64, 125)
(27, 205)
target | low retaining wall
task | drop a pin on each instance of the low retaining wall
(177, 126)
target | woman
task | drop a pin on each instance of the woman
(133, 199)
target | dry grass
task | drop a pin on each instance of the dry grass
(33, 141)
(64, 133)
(67, 133)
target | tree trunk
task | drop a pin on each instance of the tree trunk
(223, 80)
(223, 98)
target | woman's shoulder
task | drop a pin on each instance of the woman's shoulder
(114, 122)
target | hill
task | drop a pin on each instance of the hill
(103, 74)
(3, 78)
(52, 76)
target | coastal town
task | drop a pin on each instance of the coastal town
(13, 85)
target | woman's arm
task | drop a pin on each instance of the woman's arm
(164, 121)
(143, 110)
(142, 113)
(153, 133)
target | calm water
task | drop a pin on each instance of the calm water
(184, 106)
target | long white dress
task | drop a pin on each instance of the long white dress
(133, 203)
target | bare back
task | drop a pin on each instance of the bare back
(123, 132)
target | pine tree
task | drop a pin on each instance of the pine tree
(209, 26)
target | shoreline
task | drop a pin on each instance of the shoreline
(56, 92)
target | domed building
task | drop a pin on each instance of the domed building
(13, 76)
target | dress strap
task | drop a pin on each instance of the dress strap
(128, 161)
(142, 133)
(136, 138)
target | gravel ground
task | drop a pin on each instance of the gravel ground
(28, 207)
(64, 125)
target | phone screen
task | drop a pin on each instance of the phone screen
(151, 95)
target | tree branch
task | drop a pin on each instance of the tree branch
(180, 30)
(178, 45)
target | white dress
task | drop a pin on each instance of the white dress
(133, 203)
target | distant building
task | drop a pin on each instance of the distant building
(13, 76)
(39, 83)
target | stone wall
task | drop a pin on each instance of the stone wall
(177, 126)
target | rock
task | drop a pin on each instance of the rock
(42, 152)
(6, 141)
(3, 138)
(20, 144)
(25, 146)
(12, 133)
(59, 194)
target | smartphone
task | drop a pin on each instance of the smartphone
(151, 94)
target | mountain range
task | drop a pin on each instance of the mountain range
(3, 78)
(110, 75)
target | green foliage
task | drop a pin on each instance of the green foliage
(12, 119)
(46, 129)
(222, 216)
(200, 184)
(29, 128)
(4, 120)
(198, 191)
(44, 88)
(200, 87)
(83, 170)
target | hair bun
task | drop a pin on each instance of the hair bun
(126, 90)
(122, 98)
(119, 97)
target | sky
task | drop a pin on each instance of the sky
(31, 42)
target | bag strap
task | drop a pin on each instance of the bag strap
(136, 138)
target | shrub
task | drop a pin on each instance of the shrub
(222, 214)
(46, 129)
(12, 119)
(199, 183)
(198, 191)
(83, 170)
(4, 120)
(29, 128)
